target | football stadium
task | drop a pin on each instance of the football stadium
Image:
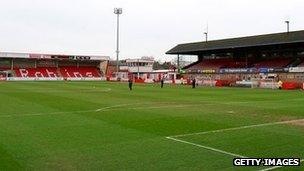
(66, 112)
(237, 105)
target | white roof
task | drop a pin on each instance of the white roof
(48, 56)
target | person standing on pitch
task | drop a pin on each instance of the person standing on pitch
(162, 82)
(130, 81)
(280, 84)
(193, 83)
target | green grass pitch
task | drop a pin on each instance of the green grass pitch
(103, 126)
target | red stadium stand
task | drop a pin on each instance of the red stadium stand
(217, 64)
(278, 63)
(75, 72)
(37, 72)
(52, 67)
(52, 72)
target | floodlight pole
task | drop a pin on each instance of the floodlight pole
(206, 36)
(287, 23)
(118, 12)
(206, 33)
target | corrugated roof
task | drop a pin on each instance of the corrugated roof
(242, 42)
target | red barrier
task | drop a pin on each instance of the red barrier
(188, 82)
(290, 85)
(139, 81)
(221, 83)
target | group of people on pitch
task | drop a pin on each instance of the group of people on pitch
(162, 81)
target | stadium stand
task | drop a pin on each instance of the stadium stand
(270, 63)
(79, 72)
(4, 64)
(217, 64)
(36, 67)
(37, 72)
(249, 60)
(53, 72)
(46, 63)
(301, 64)
(24, 63)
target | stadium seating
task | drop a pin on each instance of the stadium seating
(53, 72)
(36, 72)
(278, 63)
(301, 64)
(75, 72)
(217, 64)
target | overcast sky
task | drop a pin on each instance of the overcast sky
(148, 27)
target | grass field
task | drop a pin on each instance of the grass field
(103, 126)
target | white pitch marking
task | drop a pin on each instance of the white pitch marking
(238, 128)
(159, 107)
(276, 167)
(80, 111)
(206, 147)
(68, 112)
(110, 107)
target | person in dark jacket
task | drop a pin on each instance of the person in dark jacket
(193, 83)
(130, 81)
(162, 83)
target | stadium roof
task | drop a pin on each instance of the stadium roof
(242, 42)
(51, 56)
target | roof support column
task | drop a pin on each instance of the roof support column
(178, 64)
(12, 64)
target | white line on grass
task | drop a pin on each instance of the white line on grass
(145, 107)
(206, 147)
(160, 107)
(108, 108)
(238, 128)
(174, 138)
(114, 106)
(68, 112)
(276, 167)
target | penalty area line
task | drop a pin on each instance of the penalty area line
(104, 109)
(239, 128)
(207, 147)
(67, 112)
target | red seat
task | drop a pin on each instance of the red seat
(37, 72)
(52, 72)
(79, 72)
(217, 64)
(273, 63)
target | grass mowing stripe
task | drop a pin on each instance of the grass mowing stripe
(206, 147)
